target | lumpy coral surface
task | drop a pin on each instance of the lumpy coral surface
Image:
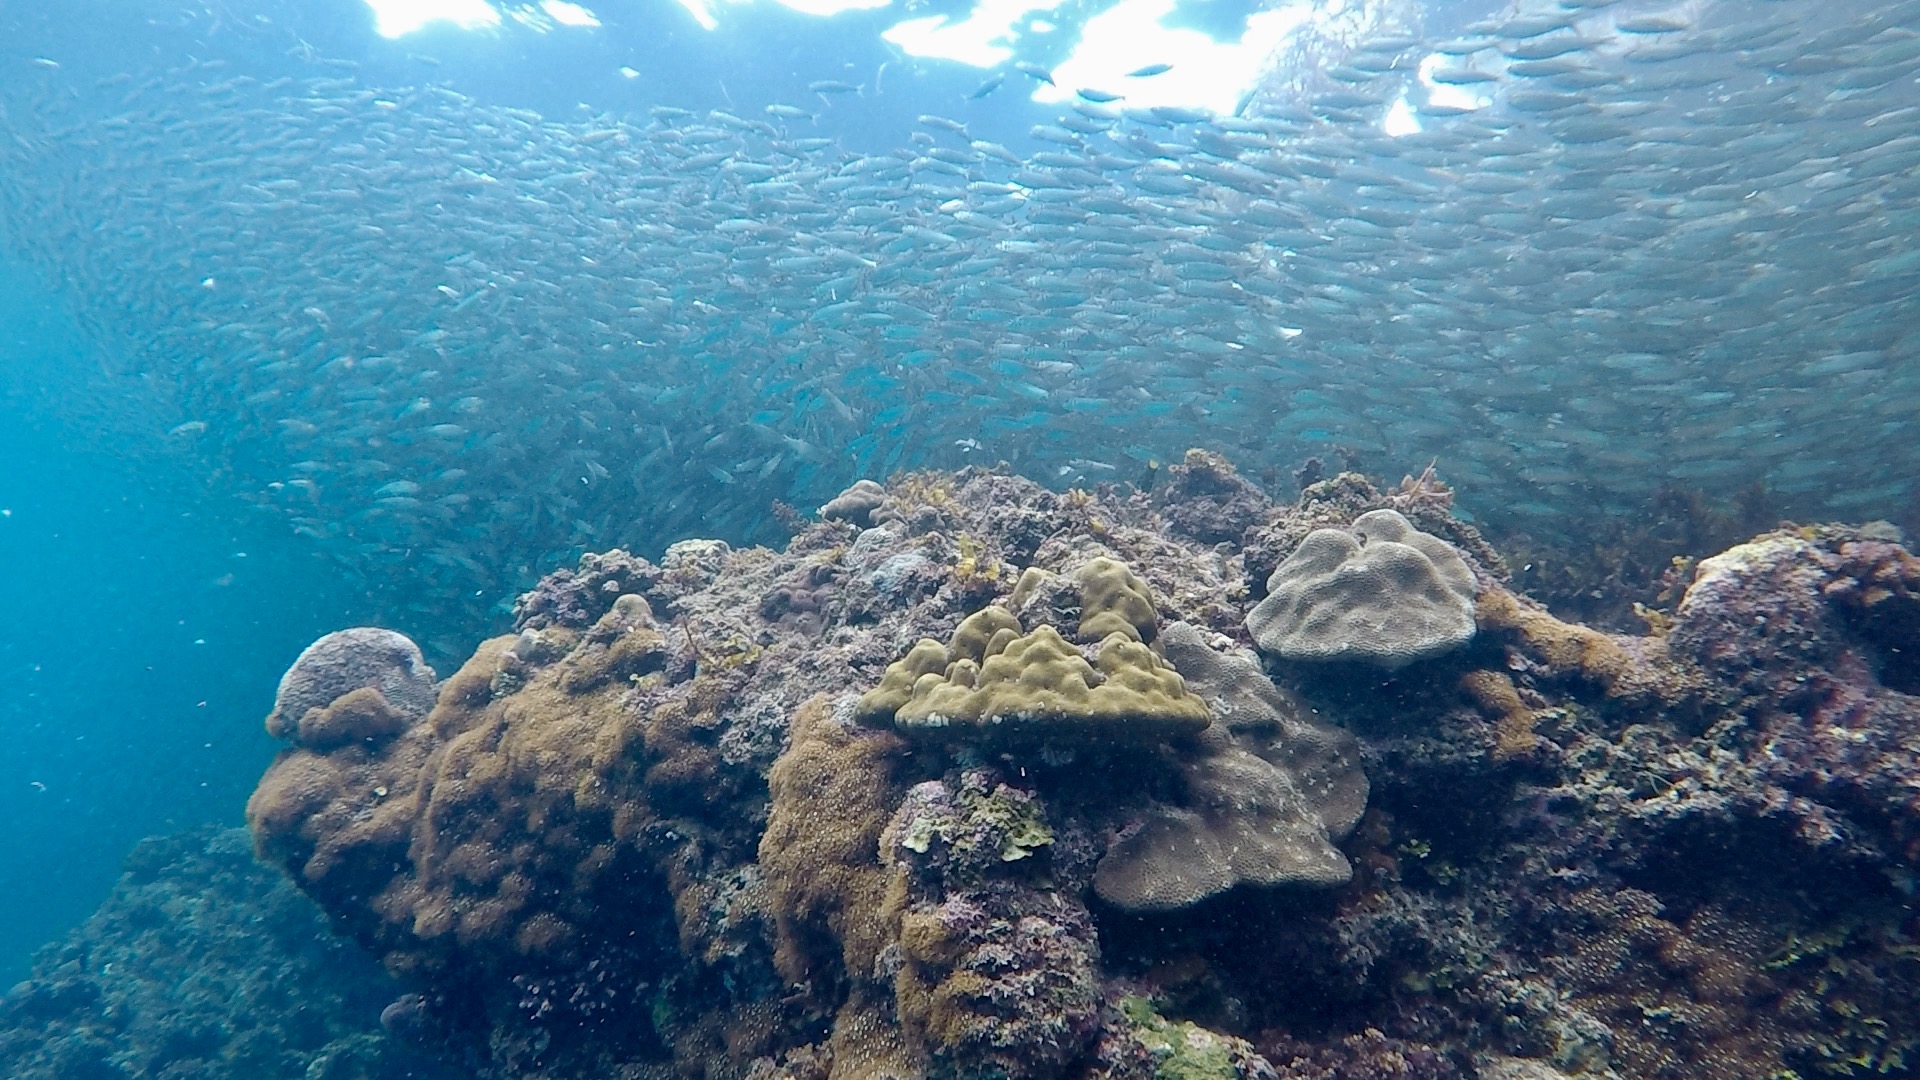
(980, 780)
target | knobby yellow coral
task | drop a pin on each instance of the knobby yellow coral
(1113, 599)
(992, 680)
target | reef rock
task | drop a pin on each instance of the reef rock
(1817, 632)
(202, 963)
(998, 962)
(1380, 592)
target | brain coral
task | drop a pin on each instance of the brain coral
(1380, 591)
(363, 657)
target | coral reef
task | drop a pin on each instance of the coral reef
(575, 598)
(1209, 501)
(981, 780)
(203, 964)
(1618, 568)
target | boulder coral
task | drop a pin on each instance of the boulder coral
(856, 504)
(1380, 592)
(996, 785)
(364, 658)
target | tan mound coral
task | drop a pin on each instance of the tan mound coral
(993, 680)
(1380, 592)
(1267, 794)
(1114, 600)
(878, 705)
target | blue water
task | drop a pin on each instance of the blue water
(147, 623)
(150, 613)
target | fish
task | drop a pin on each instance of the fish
(1633, 250)
(1033, 71)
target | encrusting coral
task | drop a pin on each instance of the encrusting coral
(831, 794)
(1266, 796)
(991, 783)
(1380, 591)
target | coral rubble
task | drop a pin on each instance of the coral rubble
(979, 780)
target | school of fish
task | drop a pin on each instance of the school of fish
(461, 342)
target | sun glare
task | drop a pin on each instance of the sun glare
(983, 39)
(1202, 72)
(567, 14)
(398, 18)
(1194, 70)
